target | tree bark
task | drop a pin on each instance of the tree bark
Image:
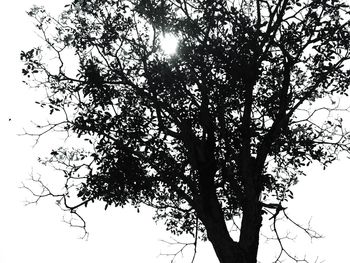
(226, 249)
(251, 209)
(250, 231)
(212, 216)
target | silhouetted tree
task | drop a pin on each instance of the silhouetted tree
(221, 128)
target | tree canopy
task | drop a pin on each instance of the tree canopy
(219, 129)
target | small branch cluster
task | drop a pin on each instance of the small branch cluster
(64, 197)
(182, 246)
(282, 239)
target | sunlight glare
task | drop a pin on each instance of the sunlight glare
(168, 44)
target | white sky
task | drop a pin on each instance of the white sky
(37, 233)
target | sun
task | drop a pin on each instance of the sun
(168, 43)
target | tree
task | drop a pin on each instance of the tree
(220, 129)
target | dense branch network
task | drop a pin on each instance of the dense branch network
(221, 129)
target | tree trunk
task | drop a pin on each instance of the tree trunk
(250, 231)
(211, 214)
(227, 250)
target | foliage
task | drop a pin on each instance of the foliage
(233, 112)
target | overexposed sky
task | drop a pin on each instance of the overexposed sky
(37, 233)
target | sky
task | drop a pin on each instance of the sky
(37, 233)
